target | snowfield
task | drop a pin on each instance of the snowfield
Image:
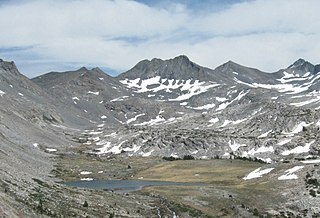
(188, 87)
(298, 150)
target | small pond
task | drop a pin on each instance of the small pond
(123, 186)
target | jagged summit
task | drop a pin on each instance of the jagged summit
(301, 67)
(179, 67)
(9, 66)
(82, 69)
(13, 82)
(298, 63)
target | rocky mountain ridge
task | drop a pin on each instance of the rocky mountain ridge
(158, 95)
(159, 108)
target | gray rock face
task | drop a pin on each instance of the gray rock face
(163, 108)
(165, 102)
(178, 68)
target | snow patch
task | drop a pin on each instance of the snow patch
(221, 99)
(134, 148)
(310, 161)
(264, 135)
(86, 179)
(93, 93)
(151, 122)
(235, 146)
(2, 93)
(204, 107)
(104, 149)
(51, 149)
(227, 122)
(214, 120)
(257, 173)
(266, 160)
(147, 154)
(194, 88)
(85, 173)
(285, 141)
(238, 98)
(288, 88)
(134, 118)
(289, 173)
(298, 128)
(119, 99)
(100, 125)
(300, 104)
(116, 149)
(174, 155)
(298, 150)
(261, 149)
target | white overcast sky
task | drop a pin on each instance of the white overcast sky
(43, 35)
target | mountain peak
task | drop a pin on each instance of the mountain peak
(97, 69)
(182, 58)
(9, 66)
(179, 67)
(230, 65)
(83, 69)
(298, 63)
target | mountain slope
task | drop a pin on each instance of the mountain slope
(160, 108)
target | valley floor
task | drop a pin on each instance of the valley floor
(226, 194)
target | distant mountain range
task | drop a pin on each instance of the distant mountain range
(166, 108)
(177, 94)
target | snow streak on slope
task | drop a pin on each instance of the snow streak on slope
(93, 93)
(235, 146)
(289, 173)
(287, 78)
(262, 149)
(258, 173)
(311, 161)
(238, 98)
(298, 128)
(283, 87)
(134, 118)
(264, 135)
(204, 107)
(298, 150)
(152, 121)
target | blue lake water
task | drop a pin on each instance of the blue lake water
(126, 185)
